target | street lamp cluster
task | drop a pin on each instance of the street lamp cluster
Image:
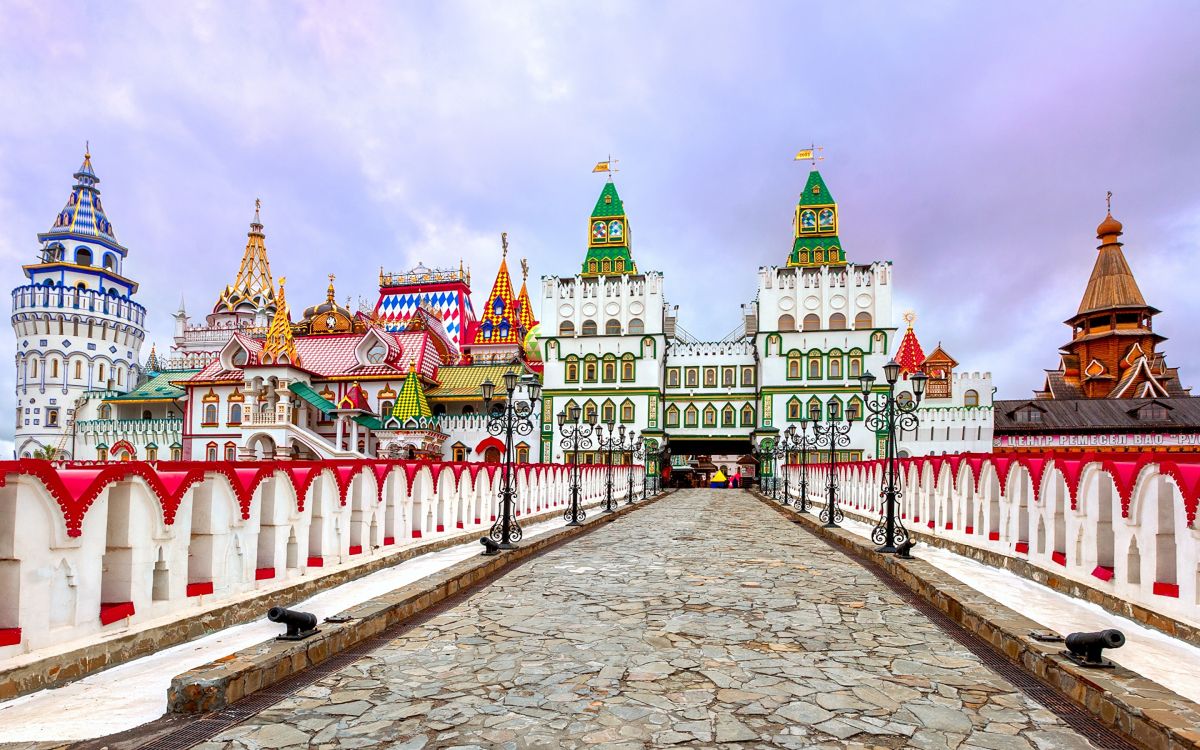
(509, 418)
(619, 441)
(578, 437)
(885, 414)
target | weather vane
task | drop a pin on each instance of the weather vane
(524, 268)
(609, 166)
(504, 244)
(1108, 200)
(810, 154)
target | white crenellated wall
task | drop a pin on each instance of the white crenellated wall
(1122, 524)
(63, 558)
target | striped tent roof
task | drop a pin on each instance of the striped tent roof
(412, 402)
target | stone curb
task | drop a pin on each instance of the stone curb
(213, 686)
(58, 669)
(1138, 708)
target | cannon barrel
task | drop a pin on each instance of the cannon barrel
(1090, 646)
(299, 624)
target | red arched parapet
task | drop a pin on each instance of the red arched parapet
(1124, 473)
(1036, 466)
(1072, 471)
(1186, 474)
(302, 474)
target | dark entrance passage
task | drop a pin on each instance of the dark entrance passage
(704, 462)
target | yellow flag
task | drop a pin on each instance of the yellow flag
(804, 153)
(601, 166)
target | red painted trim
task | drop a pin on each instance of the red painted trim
(10, 636)
(930, 524)
(969, 530)
(1166, 589)
(1022, 548)
(110, 612)
(477, 522)
(389, 540)
(200, 589)
(1103, 573)
(263, 574)
(316, 562)
(949, 526)
(356, 549)
(993, 536)
(459, 525)
(416, 533)
(1059, 557)
(916, 519)
(441, 527)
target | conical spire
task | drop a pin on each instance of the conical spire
(815, 226)
(909, 356)
(280, 347)
(253, 286)
(499, 323)
(524, 307)
(608, 236)
(1111, 284)
(412, 402)
(84, 213)
(152, 364)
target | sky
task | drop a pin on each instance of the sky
(971, 144)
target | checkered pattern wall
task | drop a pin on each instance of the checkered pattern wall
(396, 309)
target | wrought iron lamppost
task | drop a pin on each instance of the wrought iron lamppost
(767, 458)
(614, 442)
(637, 450)
(804, 444)
(886, 413)
(833, 434)
(578, 438)
(787, 443)
(512, 417)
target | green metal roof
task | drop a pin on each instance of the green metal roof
(305, 391)
(826, 243)
(815, 193)
(158, 387)
(609, 203)
(369, 421)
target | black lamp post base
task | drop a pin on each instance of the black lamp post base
(574, 523)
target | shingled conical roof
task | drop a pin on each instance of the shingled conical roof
(1111, 284)
(909, 356)
(253, 286)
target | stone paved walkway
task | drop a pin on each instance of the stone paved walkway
(704, 620)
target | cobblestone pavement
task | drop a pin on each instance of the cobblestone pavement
(704, 620)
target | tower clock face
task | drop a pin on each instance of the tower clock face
(599, 230)
(808, 220)
(825, 218)
(615, 230)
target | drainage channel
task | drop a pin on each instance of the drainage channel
(1083, 722)
(204, 728)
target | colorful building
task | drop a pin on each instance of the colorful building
(1112, 389)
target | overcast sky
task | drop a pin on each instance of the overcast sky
(969, 143)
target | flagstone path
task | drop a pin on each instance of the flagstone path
(704, 620)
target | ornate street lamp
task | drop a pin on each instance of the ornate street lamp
(767, 458)
(787, 444)
(885, 413)
(804, 444)
(614, 442)
(833, 434)
(637, 449)
(579, 437)
(512, 417)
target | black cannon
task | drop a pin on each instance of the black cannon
(490, 547)
(1087, 649)
(904, 549)
(300, 625)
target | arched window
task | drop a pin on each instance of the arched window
(572, 372)
(210, 414)
(589, 328)
(606, 265)
(627, 370)
(814, 410)
(672, 416)
(787, 323)
(468, 409)
(385, 408)
(592, 268)
(793, 366)
(637, 326)
(230, 452)
(589, 372)
(747, 416)
(235, 414)
(812, 322)
(879, 342)
(146, 414)
(837, 321)
(101, 373)
(710, 416)
(854, 409)
(79, 369)
(612, 328)
(814, 366)
(522, 454)
(691, 416)
(110, 262)
(151, 453)
(210, 452)
(83, 256)
(106, 411)
(793, 410)
(54, 368)
(566, 328)
(862, 320)
(970, 398)
(855, 366)
(728, 416)
(627, 411)
(835, 367)
(672, 377)
(610, 371)
(608, 412)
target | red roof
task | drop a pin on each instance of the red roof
(909, 356)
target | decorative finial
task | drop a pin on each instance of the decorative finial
(257, 208)
(910, 317)
(87, 149)
(524, 269)
(607, 166)
(810, 154)
(504, 244)
(329, 292)
(1108, 200)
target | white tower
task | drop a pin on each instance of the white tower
(77, 326)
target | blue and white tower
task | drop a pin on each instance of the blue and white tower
(78, 329)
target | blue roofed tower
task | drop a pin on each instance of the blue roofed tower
(77, 326)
